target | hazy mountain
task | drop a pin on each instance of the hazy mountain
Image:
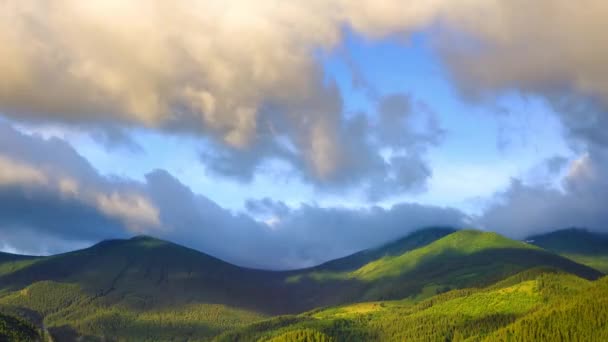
(583, 246)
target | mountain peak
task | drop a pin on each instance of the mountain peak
(143, 237)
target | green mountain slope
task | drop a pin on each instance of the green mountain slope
(145, 273)
(521, 308)
(412, 241)
(16, 329)
(149, 288)
(461, 259)
(583, 246)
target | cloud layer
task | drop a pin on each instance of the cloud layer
(247, 76)
(49, 191)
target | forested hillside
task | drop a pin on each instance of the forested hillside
(536, 305)
(149, 289)
(16, 329)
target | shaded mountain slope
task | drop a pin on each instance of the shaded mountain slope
(583, 246)
(144, 272)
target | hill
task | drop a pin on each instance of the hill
(16, 329)
(581, 245)
(412, 241)
(536, 305)
(461, 259)
(148, 288)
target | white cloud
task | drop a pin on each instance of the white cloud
(244, 73)
(137, 212)
(16, 173)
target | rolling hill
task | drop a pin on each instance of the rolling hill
(412, 241)
(145, 288)
(581, 245)
(540, 304)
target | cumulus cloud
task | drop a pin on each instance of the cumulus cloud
(499, 45)
(245, 74)
(73, 205)
(211, 68)
(506, 48)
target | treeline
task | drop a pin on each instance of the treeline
(303, 335)
(583, 317)
(534, 306)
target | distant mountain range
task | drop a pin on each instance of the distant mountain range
(583, 246)
(149, 289)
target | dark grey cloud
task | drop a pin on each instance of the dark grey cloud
(52, 199)
(39, 221)
(267, 206)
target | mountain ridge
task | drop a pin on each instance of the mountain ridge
(579, 244)
(82, 290)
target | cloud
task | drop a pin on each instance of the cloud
(246, 76)
(526, 209)
(114, 138)
(48, 177)
(73, 206)
(504, 47)
(17, 173)
(225, 70)
(491, 47)
(381, 154)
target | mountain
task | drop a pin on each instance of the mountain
(460, 259)
(581, 245)
(149, 288)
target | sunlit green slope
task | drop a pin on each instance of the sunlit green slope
(530, 306)
(461, 259)
(410, 242)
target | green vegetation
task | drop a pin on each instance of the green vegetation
(540, 304)
(64, 305)
(461, 259)
(16, 329)
(464, 242)
(435, 284)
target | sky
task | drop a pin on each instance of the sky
(281, 135)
